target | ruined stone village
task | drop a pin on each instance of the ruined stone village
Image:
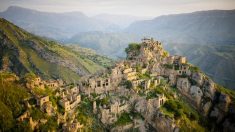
(129, 87)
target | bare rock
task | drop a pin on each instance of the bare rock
(198, 78)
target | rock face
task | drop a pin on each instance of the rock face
(194, 85)
(151, 90)
(198, 78)
(196, 93)
(183, 85)
(165, 125)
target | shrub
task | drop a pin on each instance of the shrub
(132, 47)
(123, 119)
(128, 84)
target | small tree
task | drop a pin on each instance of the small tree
(133, 47)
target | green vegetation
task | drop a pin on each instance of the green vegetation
(151, 94)
(227, 91)
(194, 68)
(87, 118)
(104, 101)
(138, 68)
(29, 77)
(50, 125)
(169, 66)
(167, 91)
(33, 54)
(187, 118)
(36, 114)
(128, 84)
(165, 54)
(6, 117)
(92, 55)
(144, 76)
(11, 95)
(123, 119)
(132, 47)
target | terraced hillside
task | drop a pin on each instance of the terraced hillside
(22, 52)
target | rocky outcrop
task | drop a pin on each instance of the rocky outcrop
(198, 78)
(164, 124)
(54, 58)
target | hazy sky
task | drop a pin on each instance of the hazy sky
(129, 7)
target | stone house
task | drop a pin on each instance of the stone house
(36, 82)
(48, 108)
(136, 83)
(96, 85)
(70, 98)
(45, 105)
(183, 70)
(42, 100)
(24, 116)
(109, 114)
(156, 81)
(158, 101)
(73, 126)
(170, 60)
(144, 70)
(70, 102)
(179, 60)
(130, 74)
(117, 74)
(146, 107)
(52, 84)
(147, 84)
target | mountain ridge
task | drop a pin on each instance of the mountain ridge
(29, 53)
(52, 25)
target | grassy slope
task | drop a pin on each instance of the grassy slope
(32, 61)
(11, 95)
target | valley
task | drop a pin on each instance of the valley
(97, 71)
(214, 28)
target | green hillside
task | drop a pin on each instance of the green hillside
(12, 93)
(22, 52)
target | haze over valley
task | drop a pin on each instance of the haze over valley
(110, 34)
(119, 65)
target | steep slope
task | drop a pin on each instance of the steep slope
(12, 93)
(54, 25)
(178, 31)
(22, 52)
(162, 92)
(216, 60)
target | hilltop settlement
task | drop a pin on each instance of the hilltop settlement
(149, 91)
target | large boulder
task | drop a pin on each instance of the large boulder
(206, 108)
(224, 102)
(198, 78)
(163, 124)
(183, 85)
(209, 89)
(196, 93)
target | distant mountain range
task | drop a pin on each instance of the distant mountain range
(55, 25)
(123, 21)
(207, 38)
(22, 52)
(214, 26)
